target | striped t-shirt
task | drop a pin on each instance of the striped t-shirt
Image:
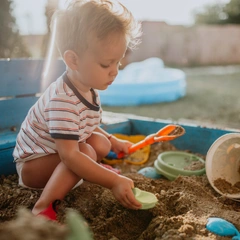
(61, 112)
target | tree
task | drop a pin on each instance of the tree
(232, 10)
(11, 44)
(220, 14)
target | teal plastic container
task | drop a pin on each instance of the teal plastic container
(171, 164)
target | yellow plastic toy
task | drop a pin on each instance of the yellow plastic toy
(137, 158)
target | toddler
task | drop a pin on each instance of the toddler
(60, 141)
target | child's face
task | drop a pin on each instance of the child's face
(98, 65)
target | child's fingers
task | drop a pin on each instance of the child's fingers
(132, 202)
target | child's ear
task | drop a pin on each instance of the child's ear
(71, 59)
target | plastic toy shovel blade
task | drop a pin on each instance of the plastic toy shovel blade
(147, 199)
(222, 227)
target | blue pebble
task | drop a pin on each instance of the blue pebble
(149, 172)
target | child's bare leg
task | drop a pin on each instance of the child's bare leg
(60, 183)
(57, 181)
(36, 172)
(100, 144)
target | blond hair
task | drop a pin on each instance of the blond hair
(86, 19)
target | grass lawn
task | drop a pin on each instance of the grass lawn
(212, 98)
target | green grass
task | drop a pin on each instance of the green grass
(210, 99)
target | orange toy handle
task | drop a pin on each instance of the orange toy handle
(167, 133)
(146, 141)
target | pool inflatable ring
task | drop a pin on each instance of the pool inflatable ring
(145, 82)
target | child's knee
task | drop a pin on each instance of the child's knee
(101, 144)
(103, 147)
(88, 150)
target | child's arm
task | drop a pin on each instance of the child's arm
(83, 166)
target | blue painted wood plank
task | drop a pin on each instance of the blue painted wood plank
(13, 111)
(121, 127)
(198, 140)
(7, 139)
(24, 76)
(7, 166)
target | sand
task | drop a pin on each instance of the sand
(183, 208)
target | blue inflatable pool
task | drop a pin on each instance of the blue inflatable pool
(145, 82)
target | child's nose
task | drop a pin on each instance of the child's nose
(114, 71)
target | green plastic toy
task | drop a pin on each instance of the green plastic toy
(78, 227)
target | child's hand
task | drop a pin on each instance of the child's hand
(122, 191)
(119, 145)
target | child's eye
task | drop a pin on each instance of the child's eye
(104, 66)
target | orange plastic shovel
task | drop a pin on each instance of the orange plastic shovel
(166, 133)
